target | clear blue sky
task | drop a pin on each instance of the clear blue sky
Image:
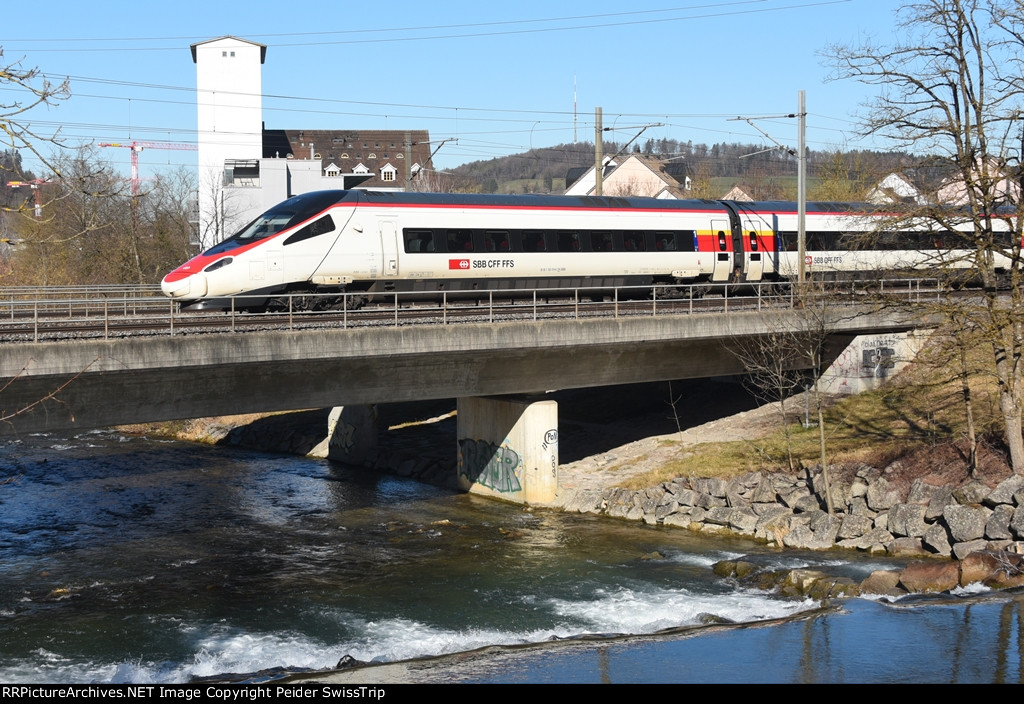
(498, 76)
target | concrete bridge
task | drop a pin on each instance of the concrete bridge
(68, 386)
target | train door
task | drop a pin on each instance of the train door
(754, 257)
(721, 231)
(389, 247)
(266, 269)
(275, 261)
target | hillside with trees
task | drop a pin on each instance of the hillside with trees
(714, 169)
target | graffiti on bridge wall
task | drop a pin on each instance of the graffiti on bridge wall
(496, 467)
(876, 359)
(877, 362)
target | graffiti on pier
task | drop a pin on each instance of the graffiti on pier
(877, 361)
(496, 467)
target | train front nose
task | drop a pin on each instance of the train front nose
(177, 285)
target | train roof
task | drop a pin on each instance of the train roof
(385, 198)
(527, 201)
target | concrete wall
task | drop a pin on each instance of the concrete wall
(508, 448)
(872, 359)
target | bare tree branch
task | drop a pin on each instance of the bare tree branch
(31, 90)
(953, 89)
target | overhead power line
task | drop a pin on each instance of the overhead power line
(715, 11)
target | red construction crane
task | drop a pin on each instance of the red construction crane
(35, 185)
(137, 147)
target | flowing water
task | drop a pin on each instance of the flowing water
(127, 559)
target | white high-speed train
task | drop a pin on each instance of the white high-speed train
(365, 241)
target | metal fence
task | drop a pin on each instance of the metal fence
(37, 314)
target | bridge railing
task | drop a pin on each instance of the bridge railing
(106, 312)
(72, 301)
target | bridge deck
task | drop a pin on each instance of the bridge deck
(67, 386)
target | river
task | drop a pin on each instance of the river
(132, 559)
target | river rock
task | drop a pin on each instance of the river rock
(854, 526)
(800, 581)
(962, 550)
(685, 497)
(907, 520)
(992, 568)
(998, 525)
(972, 492)
(763, 493)
(881, 495)
(833, 588)
(930, 576)
(859, 507)
(679, 520)
(1004, 491)
(773, 525)
(921, 492)
(665, 509)
(807, 504)
(707, 501)
(907, 547)
(1017, 522)
(937, 539)
(942, 497)
(875, 541)
(790, 498)
(966, 522)
(713, 486)
(883, 582)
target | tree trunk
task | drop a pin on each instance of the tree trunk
(825, 478)
(1011, 393)
(972, 439)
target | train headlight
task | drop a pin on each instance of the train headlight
(191, 287)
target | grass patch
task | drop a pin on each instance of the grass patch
(916, 413)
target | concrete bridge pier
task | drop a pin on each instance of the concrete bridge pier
(351, 434)
(508, 448)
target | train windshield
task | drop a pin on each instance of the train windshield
(280, 217)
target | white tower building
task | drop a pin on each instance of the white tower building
(229, 94)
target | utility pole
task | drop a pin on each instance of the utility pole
(801, 181)
(408, 159)
(801, 188)
(598, 154)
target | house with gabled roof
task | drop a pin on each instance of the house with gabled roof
(991, 173)
(632, 175)
(895, 188)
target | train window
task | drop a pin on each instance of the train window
(666, 241)
(568, 242)
(418, 240)
(753, 241)
(853, 241)
(533, 241)
(218, 264)
(317, 227)
(496, 241)
(601, 241)
(634, 241)
(460, 241)
(721, 241)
